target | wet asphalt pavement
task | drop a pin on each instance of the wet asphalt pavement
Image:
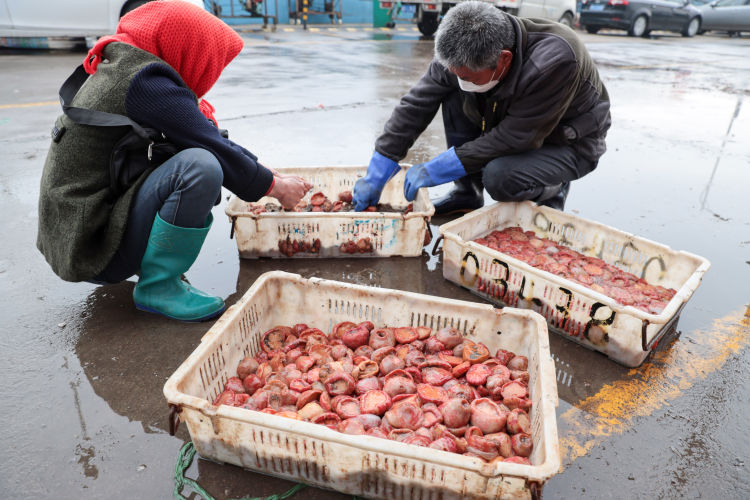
(82, 370)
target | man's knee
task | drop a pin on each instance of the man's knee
(501, 180)
(202, 167)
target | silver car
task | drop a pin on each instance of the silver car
(732, 16)
(67, 18)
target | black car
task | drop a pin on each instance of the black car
(640, 17)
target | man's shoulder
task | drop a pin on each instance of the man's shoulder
(550, 40)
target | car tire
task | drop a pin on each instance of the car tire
(567, 20)
(592, 29)
(132, 5)
(429, 23)
(639, 26)
(692, 27)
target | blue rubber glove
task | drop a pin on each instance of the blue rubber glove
(367, 189)
(443, 168)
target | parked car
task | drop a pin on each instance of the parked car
(640, 17)
(732, 16)
(68, 18)
(427, 13)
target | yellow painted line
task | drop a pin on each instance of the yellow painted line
(400, 29)
(333, 29)
(314, 29)
(369, 29)
(351, 29)
(665, 377)
(288, 29)
(28, 104)
(385, 29)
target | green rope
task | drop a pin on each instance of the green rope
(185, 458)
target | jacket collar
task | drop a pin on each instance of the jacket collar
(507, 87)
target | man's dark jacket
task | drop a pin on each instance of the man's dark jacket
(551, 95)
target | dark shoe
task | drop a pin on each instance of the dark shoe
(467, 195)
(554, 196)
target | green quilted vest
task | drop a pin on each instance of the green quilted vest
(81, 223)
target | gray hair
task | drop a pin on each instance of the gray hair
(472, 34)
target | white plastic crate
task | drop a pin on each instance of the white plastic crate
(391, 233)
(360, 465)
(624, 333)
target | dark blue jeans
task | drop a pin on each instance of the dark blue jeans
(182, 190)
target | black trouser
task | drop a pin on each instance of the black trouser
(542, 175)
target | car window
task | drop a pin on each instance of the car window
(730, 3)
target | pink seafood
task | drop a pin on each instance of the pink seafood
(351, 426)
(478, 374)
(521, 444)
(514, 389)
(367, 384)
(356, 337)
(518, 422)
(486, 415)
(405, 416)
(432, 414)
(449, 337)
(382, 337)
(432, 394)
(518, 363)
(375, 401)
(390, 363)
(501, 440)
(432, 389)
(399, 382)
(340, 383)
(246, 367)
(456, 412)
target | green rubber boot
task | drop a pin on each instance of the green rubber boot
(170, 252)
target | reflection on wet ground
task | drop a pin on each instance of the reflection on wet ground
(84, 371)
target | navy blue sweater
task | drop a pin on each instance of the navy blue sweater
(158, 98)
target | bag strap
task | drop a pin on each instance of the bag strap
(85, 116)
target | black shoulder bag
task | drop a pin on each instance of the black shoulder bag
(139, 150)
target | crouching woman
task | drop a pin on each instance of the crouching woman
(103, 226)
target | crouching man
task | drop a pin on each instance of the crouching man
(524, 110)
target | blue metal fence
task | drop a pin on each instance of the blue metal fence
(353, 11)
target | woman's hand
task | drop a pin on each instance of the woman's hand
(278, 174)
(289, 189)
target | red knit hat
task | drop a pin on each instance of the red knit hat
(192, 41)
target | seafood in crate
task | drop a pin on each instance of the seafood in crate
(582, 313)
(262, 229)
(362, 464)
(624, 287)
(404, 384)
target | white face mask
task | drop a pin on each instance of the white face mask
(473, 87)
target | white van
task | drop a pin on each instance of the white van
(427, 13)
